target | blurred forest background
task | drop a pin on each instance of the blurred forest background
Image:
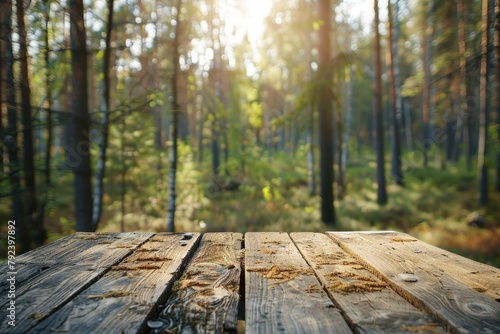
(263, 115)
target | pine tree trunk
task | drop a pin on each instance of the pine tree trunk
(200, 130)
(215, 146)
(23, 230)
(462, 127)
(396, 168)
(310, 154)
(325, 116)
(497, 51)
(397, 76)
(81, 119)
(381, 190)
(408, 131)
(30, 207)
(48, 108)
(311, 173)
(175, 125)
(123, 188)
(426, 90)
(3, 29)
(451, 118)
(484, 106)
(3, 40)
(103, 145)
(347, 134)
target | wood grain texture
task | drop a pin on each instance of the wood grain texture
(278, 293)
(44, 292)
(367, 302)
(123, 299)
(205, 299)
(399, 259)
(61, 251)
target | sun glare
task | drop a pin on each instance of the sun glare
(253, 20)
(246, 16)
(257, 10)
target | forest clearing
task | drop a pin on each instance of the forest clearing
(248, 116)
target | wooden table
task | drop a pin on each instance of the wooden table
(338, 282)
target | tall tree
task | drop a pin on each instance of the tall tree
(407, 121)
(396, 167)
(426, 90)
(462, 126)
(396, 64)
(310, 154)
(484, 104)
(325, 115)
(379, 129)
(175, 125)
(306, 38)
(3, 41)
(48, 108)
(106, 100)
(12, 134)
(497, 52)
(215, 87)
(347, 133)
(30, 202)
(81, 120)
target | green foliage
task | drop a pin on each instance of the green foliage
(254, 113)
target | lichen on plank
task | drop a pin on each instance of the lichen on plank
(154, 258)
(110, 294)
(403, 239)
(430, 328)
(144, 266)
(281, 272)
(349, 282)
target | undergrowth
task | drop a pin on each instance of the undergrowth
(273, 195)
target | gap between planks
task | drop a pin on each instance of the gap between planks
(368, 304)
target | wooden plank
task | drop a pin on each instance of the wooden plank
(123, 299)
(61, 251)
(43, 293)
(366, 301)
(477, 276)
(205, 299)
(279, 290)
(397, 259)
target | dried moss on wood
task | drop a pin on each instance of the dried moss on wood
(348, 282)
(110, 294)
(281, 273)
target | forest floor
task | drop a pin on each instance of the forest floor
(435, 205)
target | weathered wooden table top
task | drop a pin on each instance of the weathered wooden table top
(337, 282)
